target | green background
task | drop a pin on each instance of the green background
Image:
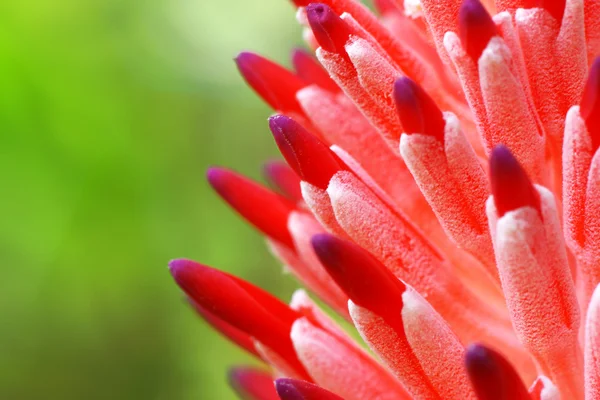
(110, 113)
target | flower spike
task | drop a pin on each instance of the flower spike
(329, 29)
(252, 384)
(511, 186)
(417, 111)
(274, 84)
(476, 27)
(311, 159)
(264, 209)
(590, 104)
(293, 389)
(493, 377)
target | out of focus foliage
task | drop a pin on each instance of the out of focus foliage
(110, 112)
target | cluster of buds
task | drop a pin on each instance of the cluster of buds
(440, 191)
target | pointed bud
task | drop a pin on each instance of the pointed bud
(417, 111)
(274, 84)
(266, 210)
(309, 69)
(293, 389)
(492, 377)
(329, 29)
(240, 304)
(363, 278)
(590, 104)
(476, 27)
(283, 179)
(312, 160)
(511, 186)
(252, 384)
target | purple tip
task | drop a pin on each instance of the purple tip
(329, 29)
(308, 156)
(417, 111)
(476, 27)
(511, 186)
(286, 389)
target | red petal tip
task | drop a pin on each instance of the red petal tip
(476, 27)
(274, 84)
(240, 304)
(284, 179)
(294, 389)
(266, 210)
(329, 29)
(309, 69)
(590, 103)
(366, 281)
(511, 186)
(308, 156)
(417, 111)
(492, 377)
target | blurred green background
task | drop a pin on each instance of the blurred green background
(110, 112)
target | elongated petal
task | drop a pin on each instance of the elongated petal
(445, 371)
(539, 290)
(240, 304)
(341, 368)
(452, 179)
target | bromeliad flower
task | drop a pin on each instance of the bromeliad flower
(441, 191)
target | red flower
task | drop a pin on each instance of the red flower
(442, 194)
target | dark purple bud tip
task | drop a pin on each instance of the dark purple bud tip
(492, 376)
(476, 27)
(361, 276)
(329, 29)
(417, 111)
(312, 160)
(511, 186)
(294, 389)
(590, 103)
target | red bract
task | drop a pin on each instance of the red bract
(440, 191)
